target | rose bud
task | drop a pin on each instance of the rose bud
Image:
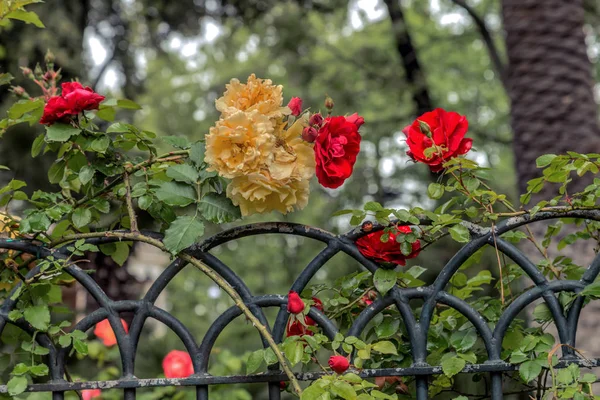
(18, 91)
(356, 119)
(177, 364)
(27, 73)
(310, 134)
(329, 103)
(316, 119)
(295, 304)
(283, 385)
(49, 57)
(295, 105)
(339, 364)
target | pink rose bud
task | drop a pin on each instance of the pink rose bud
(309, 134)
(295, 105)
(356, 119)
(316, 119)
(339, 364)
(89, 394)
(18, 91)
(295, 303)
(27, 72)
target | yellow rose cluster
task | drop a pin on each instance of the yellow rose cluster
(267, 161)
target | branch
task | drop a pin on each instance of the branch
(129, 203)
(488, 40)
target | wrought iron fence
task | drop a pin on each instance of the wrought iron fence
(417, 328)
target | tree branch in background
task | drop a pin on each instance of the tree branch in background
(408, 54)
(499, 65)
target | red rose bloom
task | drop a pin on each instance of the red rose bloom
(177, 364)
(446, 131)
(90, 394)
(73, 100)
(104, 332)
(295, 105)
(336, 148)
(295, 328)
(295, 304)
(356, 119)
(339, 364)
(372, 247)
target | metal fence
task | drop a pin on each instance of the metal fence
(417, 328)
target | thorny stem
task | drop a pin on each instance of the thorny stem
(239, 302)
(129, 203)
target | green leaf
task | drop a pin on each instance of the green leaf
(542, 313)
(121, 253)
(388, 327)
(38, 317)
(130, 104)
(60, 132)
(37, 145)
(86, 174)
(180, 142)
(544, 160)
(218, 208)
(314, 392)
(16, 385)
(183, 173)
(294, 351)
(460, 233)
(453, 365)
(463, 340)
(385, 347)
(39, 370)
(592, 289)
(343, 390)
(22, 107)
(175, 194)
(100, 145)
(26, 16)
(529, 370)
(435, 191)
(197, 153)
(384, 280)
(255, 360)
(182, 233)
(81, 217)
(5, 78)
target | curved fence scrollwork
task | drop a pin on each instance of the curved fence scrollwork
(417, 326)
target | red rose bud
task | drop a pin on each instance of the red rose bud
(309, 134)
(90, 394)
(177, 364)
(439, 129)
(295, 105)
(339, 364)
(336, 149)
(316, 119)
(372, 247)
(356, 119)
(295, 304)
(104, 332)
(329, 103)
(283, 385)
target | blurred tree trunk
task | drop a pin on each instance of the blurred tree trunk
(553, 110)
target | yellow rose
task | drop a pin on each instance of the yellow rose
(256, 94)
(293, 157)
(240, 144)
(259, 193)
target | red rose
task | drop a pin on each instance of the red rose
(104, 332)
(73, 100)
(295, 304)
(177, 364)
(295, 328)
(336, 149)
(372, 247)
(356, 119)
(90, 394)
(339, 364)
(295, 105)
(445, 130)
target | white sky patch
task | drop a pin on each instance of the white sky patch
(374, 11)
(97, 50)
(211, 30)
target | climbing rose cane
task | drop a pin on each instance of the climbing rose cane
(177, 364)
(437, 136)
(295, 304)
(372, 247)
(104, 332)
(339, 364)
